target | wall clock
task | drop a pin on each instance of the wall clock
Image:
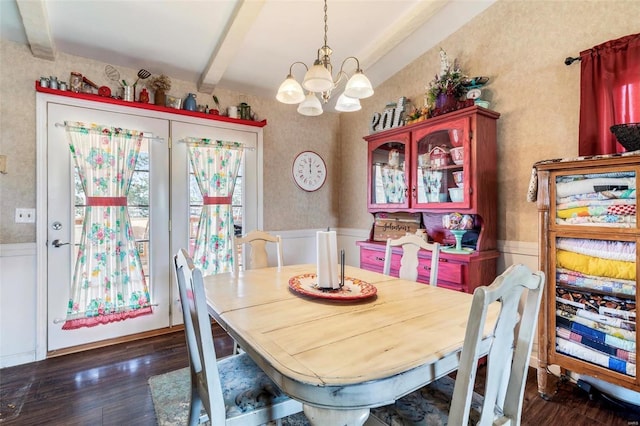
(309, 171)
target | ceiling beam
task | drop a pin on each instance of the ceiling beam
(36, 26)
(413, 19)
(233, 36)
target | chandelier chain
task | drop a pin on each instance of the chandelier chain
(326, 25)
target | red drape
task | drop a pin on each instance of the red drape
(609, 93)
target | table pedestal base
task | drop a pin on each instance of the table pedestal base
(323, 416)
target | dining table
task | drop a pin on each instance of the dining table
(344, 351)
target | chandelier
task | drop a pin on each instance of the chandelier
(319, 80)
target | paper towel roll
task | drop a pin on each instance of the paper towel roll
(327, 259)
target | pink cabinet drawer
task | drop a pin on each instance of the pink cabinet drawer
(372, 260)
(447, 271)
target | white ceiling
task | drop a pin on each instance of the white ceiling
(239, 45)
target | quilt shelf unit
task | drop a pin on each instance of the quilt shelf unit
(589, 238)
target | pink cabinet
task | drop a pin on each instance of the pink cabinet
(456, 272)
(435, 167)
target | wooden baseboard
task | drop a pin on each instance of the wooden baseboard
(115, 341)
(215, 329)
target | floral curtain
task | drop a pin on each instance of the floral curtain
(108, 281)
(609, 93)
(215, 166)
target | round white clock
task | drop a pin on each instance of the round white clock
(309, 171)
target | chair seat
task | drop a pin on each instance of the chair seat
(427, 406)
(246, 388)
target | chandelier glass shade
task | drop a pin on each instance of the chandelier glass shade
(310, 106)
(290, 91)
(319, 80)
(347, 104)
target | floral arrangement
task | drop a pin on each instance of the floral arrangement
(450, 81)
(417, 114)
(160, 83)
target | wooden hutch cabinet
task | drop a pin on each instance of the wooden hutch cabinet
(413, 169)
(589, 236)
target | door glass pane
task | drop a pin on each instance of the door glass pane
(388, 175)
(440, 166)
(138, 205)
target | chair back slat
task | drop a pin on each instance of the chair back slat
(258, 258)
(411, 245)
(518, 292)
(205, 379)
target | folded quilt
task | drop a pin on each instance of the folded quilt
(598, 210)
(591, 282)
(613, 221)
(582, 352)
(597, 303)
(571, 178)
(606, 249)
(568, 204)
(598, 184)
(596, 335)
(592, 265)
(618, 195)
(607, 329)
(567, 334)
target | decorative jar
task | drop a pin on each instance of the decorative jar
(190, 103)
(75, 82)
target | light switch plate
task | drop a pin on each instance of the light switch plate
(25, 215)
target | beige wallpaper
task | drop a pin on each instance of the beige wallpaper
(286, 134)
(521, 45)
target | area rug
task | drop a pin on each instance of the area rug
(170, 393)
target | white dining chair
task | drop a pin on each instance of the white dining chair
(409, 262)
(257, 255)
(233, 390)
(453, 401)
(257, 241)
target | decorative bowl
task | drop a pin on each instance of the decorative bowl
(457, 155)
(458, 178)
(456, 194)
(628, 135)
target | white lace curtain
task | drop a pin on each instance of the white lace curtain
(108, 280)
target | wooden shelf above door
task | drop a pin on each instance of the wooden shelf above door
(147, 106)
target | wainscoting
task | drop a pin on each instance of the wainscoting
(17, 304)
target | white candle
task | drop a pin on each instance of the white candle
(327, 259)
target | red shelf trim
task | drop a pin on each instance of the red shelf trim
(152, 107)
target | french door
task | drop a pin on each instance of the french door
(148, 207)
(186, 200)
(160, 203)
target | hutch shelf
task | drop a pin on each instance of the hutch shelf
(432, 168)
(589, 234)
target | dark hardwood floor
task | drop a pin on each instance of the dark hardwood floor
(108, 386)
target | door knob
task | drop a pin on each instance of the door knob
(57, 243)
